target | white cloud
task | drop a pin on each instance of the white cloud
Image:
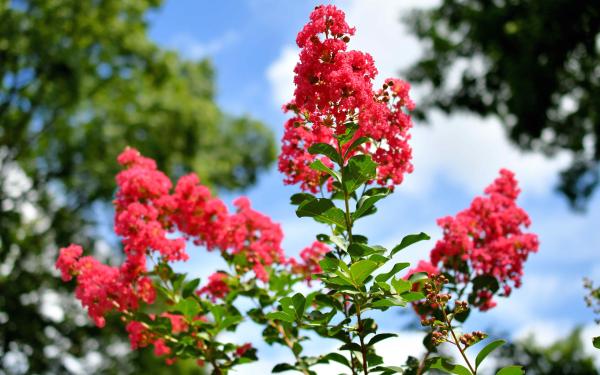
(380, 32)
(194, 49)
(281, 75)
(469, 151)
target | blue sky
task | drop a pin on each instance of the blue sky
(251, 44)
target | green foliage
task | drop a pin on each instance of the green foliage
(322, 210)
(487, 350)
(80, 80)
(409, 240)
(532, 63)
(353, 285)
(511, 370)
(564, 357)
(444, 365)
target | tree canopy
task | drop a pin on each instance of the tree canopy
(563, 357)
(79, 81)
(532, 63)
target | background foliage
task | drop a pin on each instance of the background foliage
(80, 80)
(564, 357)
(532, 63)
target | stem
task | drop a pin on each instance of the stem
(347, 314)
(348, 219)
(216, 369)
(363, 348)
(290, 344)
(422, 364)
(457, 343)
(346, 196)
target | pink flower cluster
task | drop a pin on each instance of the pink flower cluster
(216, 287)
(334, 87)
(140, 336)
(489, 238)
(102, 288)
(255, 236)
(147, 214)
(311, 256)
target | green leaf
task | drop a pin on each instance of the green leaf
(337, 357)
(360, 270)
(444, 365)
(280, 315)
(418, 276)
(325, 149)
(230, 321)
(388, 370)
(596, 342)
(282, 367)
(487, 350)
(299, 198)
(188, 307)
(351, 128)
(357, 142)
(178, 279)
(350, 346)
(367, 201)
(485, 282)
(397, 268)
(378, 258)
(338, 241)
(329, 264)
(413, 296)
(401, 285)
(381, 337)
(322, 210)
(409, 240)
(360, 169)
(359, 250)
(318, 165)
(299, 303)
(189, 288)
(511, 370)
(389, 302)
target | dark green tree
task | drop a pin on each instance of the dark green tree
(532, 63)
(564, 357)
(79, 81)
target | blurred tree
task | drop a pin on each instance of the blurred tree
(564, 357)
(80, 80)
(533, 63)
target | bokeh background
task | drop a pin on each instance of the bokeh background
(199, 86)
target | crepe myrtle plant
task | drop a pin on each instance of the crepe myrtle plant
(346, 145)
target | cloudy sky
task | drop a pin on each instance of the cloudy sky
(252, 46)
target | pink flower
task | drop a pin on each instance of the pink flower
(489, 238)
(178, 323)
(147, 213)
(242, 349)
(216, 287)
(139, 337)
(334, 88)
(311, 256)
(254, 235)
(68, 260)
(199, 215)
(160, 348)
